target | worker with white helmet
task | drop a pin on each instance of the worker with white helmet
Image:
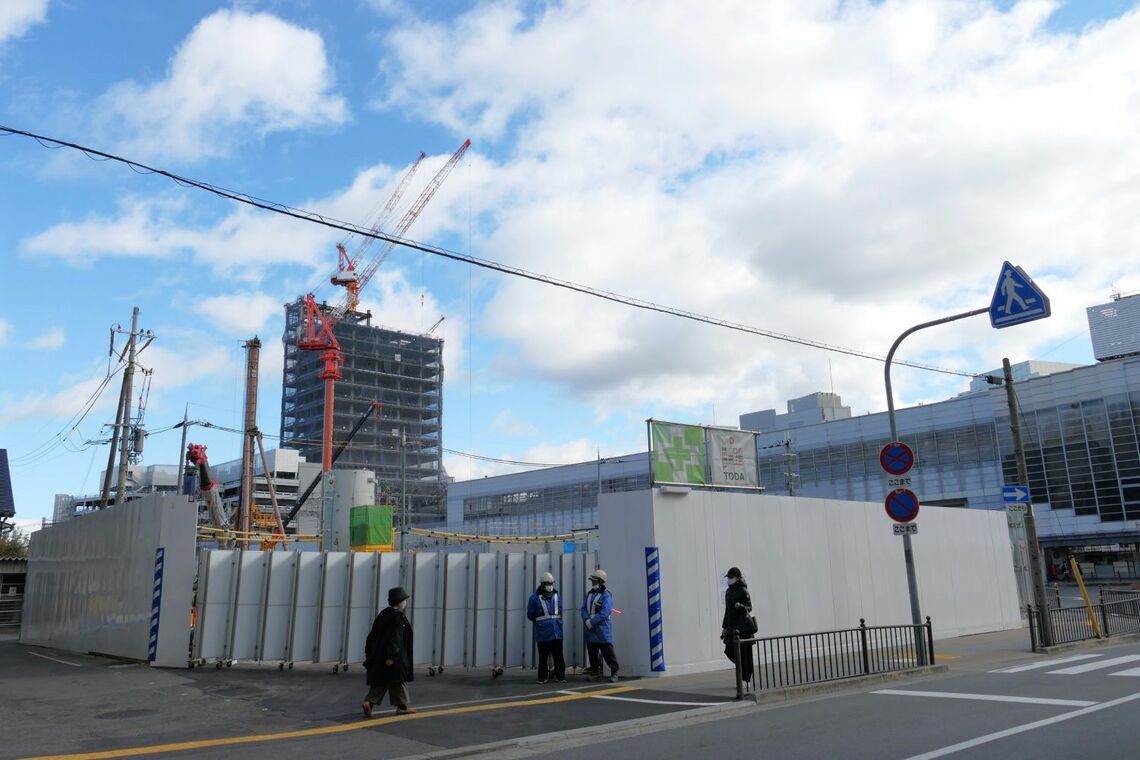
(545, 609)
(596, 611)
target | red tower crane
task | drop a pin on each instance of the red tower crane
(317, 334)
(346, 265)
(359, 279)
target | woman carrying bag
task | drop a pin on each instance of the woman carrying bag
(738, 619)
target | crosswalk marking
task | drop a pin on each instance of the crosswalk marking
(1098, 665)
(980, 697)
(1046, 663)
(1129, 672)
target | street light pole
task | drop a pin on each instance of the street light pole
(908, 550)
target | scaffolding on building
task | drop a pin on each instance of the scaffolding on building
(404, 371)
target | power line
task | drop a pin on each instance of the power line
(332, 223)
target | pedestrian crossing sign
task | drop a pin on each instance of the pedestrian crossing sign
(1017, 299)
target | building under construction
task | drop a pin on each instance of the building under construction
(404, 372)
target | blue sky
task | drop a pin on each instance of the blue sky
(834, 171)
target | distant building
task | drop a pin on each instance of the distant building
(1080, 428)
(1115, 327)
(404, 372)
(806, 410)
(291, 473)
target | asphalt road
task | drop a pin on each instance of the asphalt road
(1079, 704)
(998, 700)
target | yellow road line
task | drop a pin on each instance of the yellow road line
(155, 749)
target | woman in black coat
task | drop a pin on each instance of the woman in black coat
(738, 619)
(388, 656)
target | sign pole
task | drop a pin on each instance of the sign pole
(908, 550)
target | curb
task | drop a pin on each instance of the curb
(559, 740)
(1121, 638)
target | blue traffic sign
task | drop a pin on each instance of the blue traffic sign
(896, 458)
(1015, 494)
(1017, 299)
(902, 505)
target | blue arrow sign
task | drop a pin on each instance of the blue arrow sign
(1017, 299)
(1015, 494)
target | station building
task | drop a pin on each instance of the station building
(1080, 428)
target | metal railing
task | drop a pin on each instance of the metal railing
(1116, 613)
(10, 607)
(805, 658)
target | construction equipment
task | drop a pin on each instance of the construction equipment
(376, 407)
(207, 486)
(346, 265)
(320, 321)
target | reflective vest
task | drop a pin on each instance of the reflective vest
(547, 613)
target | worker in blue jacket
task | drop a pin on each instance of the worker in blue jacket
(545, 609)
(596, 611)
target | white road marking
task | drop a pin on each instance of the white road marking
(53, 659)
(1098, 665)
(630, 699)
(1046, 663)
(988, 697)
(978, 741)
(1129, 672)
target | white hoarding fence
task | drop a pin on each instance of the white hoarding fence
(466, 610)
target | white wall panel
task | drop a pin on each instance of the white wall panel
(92, 582)
(310, 573)
(333, 606)
(811, 565)
(278, 606)
(252, 570)
(486, 642)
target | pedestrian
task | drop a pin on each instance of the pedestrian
(388, 656)
(596, 611)
(738, 621)
(545, 609)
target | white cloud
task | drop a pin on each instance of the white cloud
(5, 330)
(53, 338)
(833, 172)
(506, 422)
(235, 74)
(239, 313)
(17, 16)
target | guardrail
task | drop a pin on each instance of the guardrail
(804, 658)
(1116, 613)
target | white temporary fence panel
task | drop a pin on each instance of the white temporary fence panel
(248, 612)
(466, 610)
(117, 581)
(306, 607)
(278, 606)
(485, 623)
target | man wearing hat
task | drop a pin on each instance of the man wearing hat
(388, 656)
(597, 608)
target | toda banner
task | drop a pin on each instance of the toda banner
(732, 458)
(677, 453)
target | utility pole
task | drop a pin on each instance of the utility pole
(1030, 523)
(182, 452)
(109, 473)
(124, 437)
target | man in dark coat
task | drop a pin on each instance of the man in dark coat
(388, 656)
